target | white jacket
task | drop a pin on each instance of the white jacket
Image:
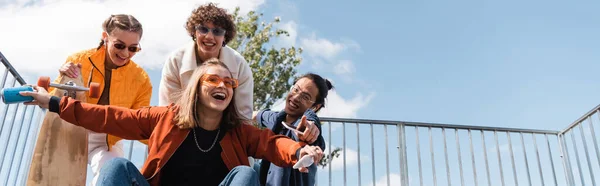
(180, 65)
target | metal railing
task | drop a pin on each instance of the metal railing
(376, 152)
(581, 134)
(451, 156)
(18, 131)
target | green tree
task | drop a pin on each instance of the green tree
(273, 68)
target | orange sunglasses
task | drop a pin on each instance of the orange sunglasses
(215, 80)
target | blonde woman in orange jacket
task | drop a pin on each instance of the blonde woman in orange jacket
(123, 82)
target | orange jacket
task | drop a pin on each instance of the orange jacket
(158, 125)
(130, 85)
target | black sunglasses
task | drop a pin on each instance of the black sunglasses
(122, 46)
(216, 31)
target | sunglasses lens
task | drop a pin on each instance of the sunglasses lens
(119, 46)
(133, 49)
(218, 32)
(202, 29)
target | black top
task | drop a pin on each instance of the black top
(190, 166)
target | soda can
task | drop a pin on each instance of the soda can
(11, 95)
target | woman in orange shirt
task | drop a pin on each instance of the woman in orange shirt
(183, 136)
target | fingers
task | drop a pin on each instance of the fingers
(70, 69)
(35, 102)
(313, 151)
(302, 124)
(319, 154)
(311, 133)
(303, 169)
(72, 72)
(27, 93)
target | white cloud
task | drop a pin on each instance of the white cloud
(351, 159)
(336, 106)
(344, 67)
(337, 164)
(292, 28)
(40, 36)
(394, 180)
(319, 47)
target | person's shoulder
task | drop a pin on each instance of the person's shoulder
(230, 52)
(81, 55)
(181, 50)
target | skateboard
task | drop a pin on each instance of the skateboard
(60, 154)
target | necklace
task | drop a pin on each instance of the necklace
(213, 144)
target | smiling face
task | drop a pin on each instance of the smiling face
(121, 46)
(209, 39)
(301, 97)
(216, 89)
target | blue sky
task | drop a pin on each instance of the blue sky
(526, 64)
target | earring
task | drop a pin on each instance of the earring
(224, 43)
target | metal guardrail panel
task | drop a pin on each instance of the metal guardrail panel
(378, 152)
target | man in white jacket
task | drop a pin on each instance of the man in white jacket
(211, 28)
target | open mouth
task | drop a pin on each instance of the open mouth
(292, 104)
(219, 96)
(121, 58)
(210, 44)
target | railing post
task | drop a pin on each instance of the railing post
(402, 153)
(564, 156)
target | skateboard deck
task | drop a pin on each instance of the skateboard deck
(60, 154)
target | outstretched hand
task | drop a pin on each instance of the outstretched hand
(310, 130)
(314, 151)
(40, 96)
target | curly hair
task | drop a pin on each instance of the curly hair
(213, 14)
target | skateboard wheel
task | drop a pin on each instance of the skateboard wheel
(44, 82)
(94, 90)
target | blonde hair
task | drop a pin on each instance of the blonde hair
(187, 115)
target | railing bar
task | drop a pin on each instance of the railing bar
(9, 135)
(587, 154)
(358, 151)
(577, 158)
(432, 157)
(331, 160)
(372, 155)
(387, 158)
(526, 160)
(537, 154)
(473, 159)
(566, 160)
(580, 119)
(499, 158)
(12, 70)
(487, 166)
(440, 125)
(446, 155)
(462, 180)
(551, 159)
(16, 145)
(512, 159)
(130, 150)
(6, 107)
(5, 77)
(345, 152)
(28, 128)
(594, 139)
(418, 155)
(404, 178)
